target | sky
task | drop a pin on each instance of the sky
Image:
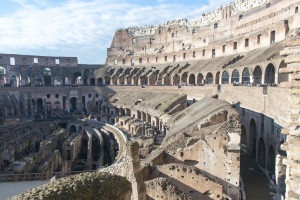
(84, 28)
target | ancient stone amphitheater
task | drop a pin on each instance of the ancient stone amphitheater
(176, 112)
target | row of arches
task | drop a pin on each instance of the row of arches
(245, 76)
(256, 145)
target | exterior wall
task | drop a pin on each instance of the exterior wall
(5, 59)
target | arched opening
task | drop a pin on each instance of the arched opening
(107, 80)
(73, 104)
(92, 81)
(243, 136)
(47, 76)
(100, 81)
(209, 78)
(83, 154)
(192, 79)
(96, 151)
(253, 135)
(27, 80)
(246, 76)
(184, 78)
(261, 155)
(40, 106)
(217, 81)
(257, 74)
(235, 77)
(76, 78)
(282, 77)
(200, 78)
(66, 81)
(271, 162)
(270, 74)
(176, 79)
(13, 81)
(139, 115)
(225, 77)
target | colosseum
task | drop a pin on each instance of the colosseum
(200, 109)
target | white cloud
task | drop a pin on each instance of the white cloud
(81, 28)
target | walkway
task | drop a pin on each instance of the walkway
(255, 181)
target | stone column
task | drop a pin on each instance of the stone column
(292, 144)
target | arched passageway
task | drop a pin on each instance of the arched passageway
(200, 78)
(75, 78)
(225, 77)
(184, 78)
(257, 74)
(100, 81)
(47, 76)
(270, 74)
(246, 76)
(235, 77)
(282, 77)
(107, 80)
(40, 105)
(72, 129)
(209, 78)
(253, 135)
(271, 162)
(261, 154)
(92, 81)
(73, 104)
(176, 79)
(192, 79)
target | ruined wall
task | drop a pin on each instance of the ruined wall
(215, 33)
(82, 186)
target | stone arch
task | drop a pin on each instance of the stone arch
(217, 79)
(192, 79)
(47, 76)
(128, 80)
(85, 81)
(176, 79)
(270, 74)
(184, 78)
(107, 80)
(72, 129)
(243, 135)
(257, 75)
(13, 81)
(100, 81)
(73, 104)
(225, 77)
(261, 154)
(246, 76)
(40, 105)
(271, 161)
(92, 82)
(235, 77)
(282, 77)
(75, 78)
(253, 135)
(66, 81)
(200, 78)
(209, 78)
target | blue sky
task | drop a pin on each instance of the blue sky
(84, 28)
